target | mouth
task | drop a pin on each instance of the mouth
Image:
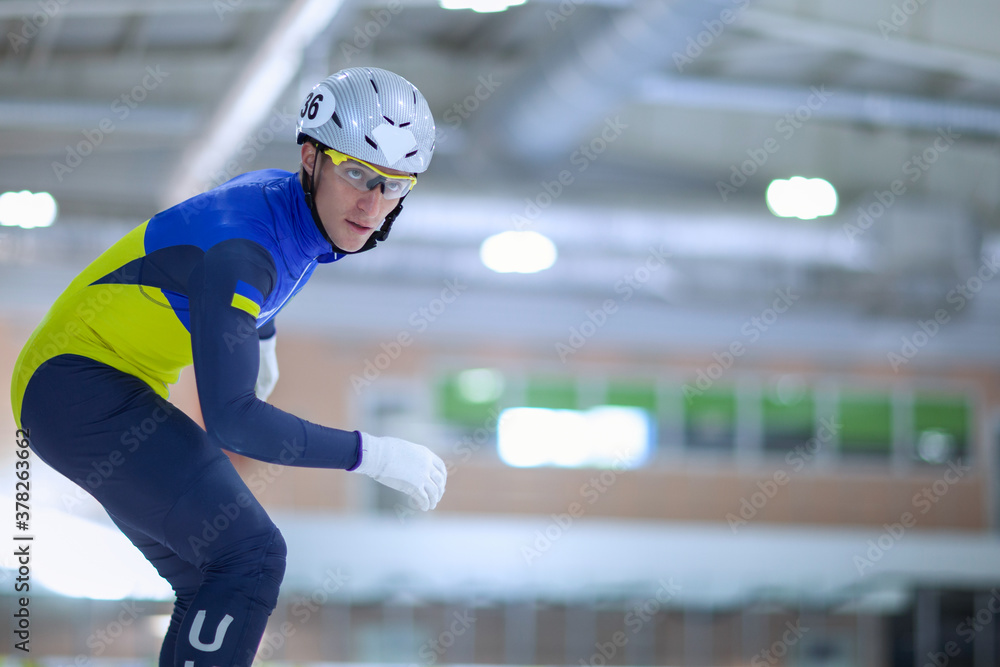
(360, 229)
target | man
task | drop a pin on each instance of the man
(200, 283)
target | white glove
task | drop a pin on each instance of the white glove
(404, 466)
(267, 376)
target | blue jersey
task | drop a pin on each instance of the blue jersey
(193, 285)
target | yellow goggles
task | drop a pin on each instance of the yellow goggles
(365, 177)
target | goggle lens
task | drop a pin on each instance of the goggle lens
(365, 177)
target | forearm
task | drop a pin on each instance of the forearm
(227, 290)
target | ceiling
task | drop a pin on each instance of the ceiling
(622, 130)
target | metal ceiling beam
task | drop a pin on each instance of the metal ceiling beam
(75, 116)
(817, 32)
(14, 9)
(251, 97)
(902, 111)
(577, 84)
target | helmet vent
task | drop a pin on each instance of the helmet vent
(404, 124)
(372, 81)
(336, 119)
(371, 143)
(389, 120)
(411, 154)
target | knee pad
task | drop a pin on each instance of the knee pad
(227, 619)
(254, 565)
(273, 564)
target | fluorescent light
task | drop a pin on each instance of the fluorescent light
(518, 252)
(482, 6)
(27, 209)
(603, 437)
(803, 198)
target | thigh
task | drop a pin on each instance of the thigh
(184, 577)
(150, 465)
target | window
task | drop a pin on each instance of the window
(551, 392)
(940, 427)
(471, 397)
(870, 422)
(710, 419)
(865, 418)
(789, 413)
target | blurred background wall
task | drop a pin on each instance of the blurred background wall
(807, 474)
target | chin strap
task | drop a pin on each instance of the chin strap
(381, 235)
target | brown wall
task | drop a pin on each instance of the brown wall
(315, 384)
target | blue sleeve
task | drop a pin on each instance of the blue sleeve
(234, 277)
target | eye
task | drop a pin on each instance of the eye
(394, 186)
(354, 173)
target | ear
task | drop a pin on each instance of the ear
(308, 157)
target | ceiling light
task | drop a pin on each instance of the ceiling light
(518, 252)
(803, 198)
(482, 6)
(27, 209)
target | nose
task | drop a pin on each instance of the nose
(368, 202)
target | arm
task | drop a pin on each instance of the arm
(225, 293)
(226, 355)
(267, 376)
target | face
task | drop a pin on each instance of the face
(349, 216)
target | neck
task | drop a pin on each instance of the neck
(307, 186)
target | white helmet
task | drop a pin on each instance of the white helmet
(370, 114)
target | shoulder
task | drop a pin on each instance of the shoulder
(243, 207)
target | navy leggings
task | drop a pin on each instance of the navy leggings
(176, 496)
